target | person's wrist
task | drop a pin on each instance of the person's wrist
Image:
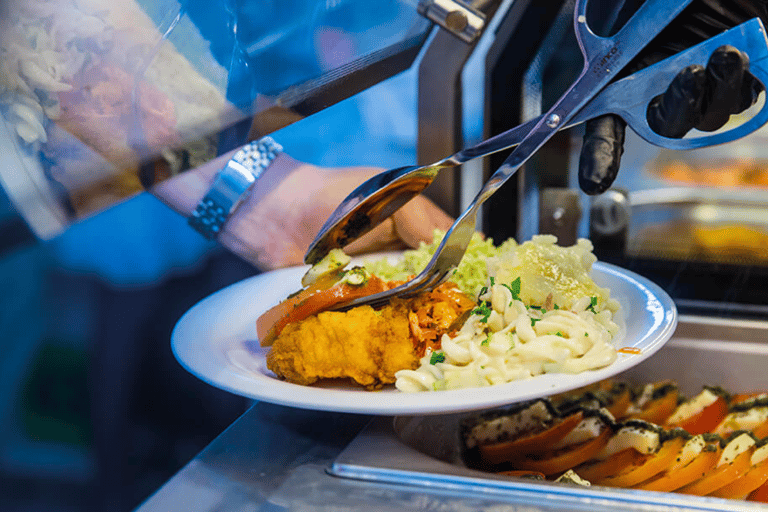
(257, 230)
(231, 185)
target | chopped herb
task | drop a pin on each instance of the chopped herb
(592, 304)
(558, 333)
(534, 320)
(514, 288)
(533, 306)
(543, 310)
(556, 307)
(437, 357)
(586, 335)
(493, 280)
(483, 310)
(486, 341)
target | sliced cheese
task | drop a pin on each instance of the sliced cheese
(735, 447)
(759, 455)
(570, 477)
(691, 407)
(690, 450)
(509, 426)
(644, 440)
(588, 428)
(743, 420)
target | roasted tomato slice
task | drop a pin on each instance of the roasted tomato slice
(559, 461)
(514, 449)
(705, 420)
(674, 478)
(720, 476)
(318, 297)
(650, 467)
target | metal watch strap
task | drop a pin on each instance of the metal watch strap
(231, 185)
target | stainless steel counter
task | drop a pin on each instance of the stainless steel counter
(275, 458)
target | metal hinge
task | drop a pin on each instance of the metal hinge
(460, 19)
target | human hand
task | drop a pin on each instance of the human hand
(698, 97)
(276, 225)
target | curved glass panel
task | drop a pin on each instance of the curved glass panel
(101, 99)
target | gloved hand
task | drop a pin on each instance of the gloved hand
(698, 97)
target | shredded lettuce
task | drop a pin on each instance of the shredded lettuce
(470, 276)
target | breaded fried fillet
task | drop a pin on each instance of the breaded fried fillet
(365, 345)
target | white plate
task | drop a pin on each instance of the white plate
(216, 340)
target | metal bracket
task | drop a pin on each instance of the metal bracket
(458, 18)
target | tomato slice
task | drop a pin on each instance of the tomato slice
(514, 449)
(621, 403)
(705, 420)
(594, 471)
(719, 477)
(318, 297)
(760, 494)
(652, 466)
(658, 410)
(674, 478)
(755, 476)
(559, 461)
(761, 430)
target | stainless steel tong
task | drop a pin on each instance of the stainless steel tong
(589, 96)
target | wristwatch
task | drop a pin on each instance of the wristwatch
(231, 185)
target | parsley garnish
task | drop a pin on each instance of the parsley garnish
(558, 333)
(556, 307)
(514, 288)
(534, 320)
(483, 310)
(592, 304)
(486, 341)
(437, 357)
(484, 289)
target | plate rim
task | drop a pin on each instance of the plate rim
(264, 387)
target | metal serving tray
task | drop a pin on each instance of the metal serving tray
(425, 451)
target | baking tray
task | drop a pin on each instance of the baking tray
(425, 451)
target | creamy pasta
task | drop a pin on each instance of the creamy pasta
(508, 338)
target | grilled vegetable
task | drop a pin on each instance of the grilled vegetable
(685, 470)
(650, 467)
(733, 463)
(702, 413)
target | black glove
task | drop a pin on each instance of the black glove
(698, 97)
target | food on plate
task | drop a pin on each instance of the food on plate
(365, 345)
(706, 445)
(518, 311)
(309, 343)
(540, 312)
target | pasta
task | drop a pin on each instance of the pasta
(509, 338)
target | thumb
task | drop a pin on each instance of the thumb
(601, 153)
